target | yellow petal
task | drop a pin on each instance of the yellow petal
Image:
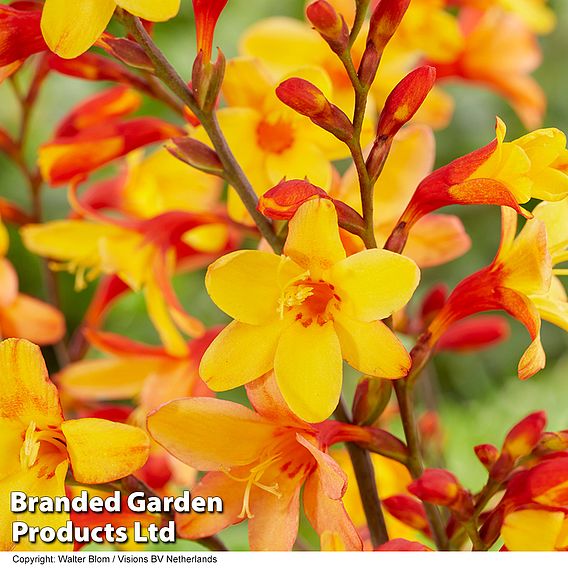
(247, 284)
(150, 9)
(372, 348)
(4, 239)
(33, 320)
(27, 393)
(31, 482)
(554, 216)
(239, 354)
(101, 451)
(12, 433)
(313, 237)
(210, 434)
(107, 379)
(553, 307)
(375, 283)
(309, 370)
(246, 83)
(532, 530)
(71, 28)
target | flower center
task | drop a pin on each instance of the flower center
(311, 301)
(42, 443)
(275, 136)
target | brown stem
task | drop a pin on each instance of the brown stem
(365, 475)
(234, 173)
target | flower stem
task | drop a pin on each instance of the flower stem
(365, 475)
(361, 12)
(234, 173)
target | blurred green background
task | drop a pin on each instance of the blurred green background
(479, 395)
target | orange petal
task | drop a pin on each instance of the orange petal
(101, 451)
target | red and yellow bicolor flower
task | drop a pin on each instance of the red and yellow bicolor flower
(145, 373)
(520, 280)
(302, 313)
(22, 315)
(71, 28)
(435, 239)
(39, 445)
(257, 462)
(534, 507)
(141, 252)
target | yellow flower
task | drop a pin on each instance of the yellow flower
(302, 313)
(71, 27)
(38, 445)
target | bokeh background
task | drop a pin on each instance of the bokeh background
(478, 396)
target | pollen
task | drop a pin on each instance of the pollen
(33, 439)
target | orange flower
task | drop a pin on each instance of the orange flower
(207, 13)
(258, 461)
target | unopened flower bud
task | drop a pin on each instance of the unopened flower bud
(409, 511)
(329, 24)
(305, 98)
(127, 51)
(437, 486)
(371, 399)
(369, 65)
(207, 79)
(405, 100)
(385, 20)
(524, 436)
(487, 454)
(196, 154)
(553, 442)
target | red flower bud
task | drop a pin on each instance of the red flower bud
(487, 454)
(437, 486)
(553, 442)
(409, 511)
(405, 100)
(385, 20)
(282, 201)
(329, 24)
(474, 334)
(433, 302)
(196, 154)
(403, 545)
(524, 436)
(127, 51)
(206, 80)
(20, 32)
(371, 399)
(305, 98)
(207, 13)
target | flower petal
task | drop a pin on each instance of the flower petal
(71, 28)
(202, 432)
(372, 348)
(27, 393)
(375, 283)
(32, 319)
(247, 284)
(101, 451)
(239, 354)
(532, 530)
(8, 281)
(150, 9)
(309, 370)
(313, 237)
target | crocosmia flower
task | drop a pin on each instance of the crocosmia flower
(207, 13)
(302, 313)
(39, 445)
(258, 462)
(72, 27)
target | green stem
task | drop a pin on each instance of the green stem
(234, 173)
(403, 389)
(366, 481)
(361, 12)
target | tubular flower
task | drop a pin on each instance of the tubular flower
(20, 314)
(302, 313)
(519, 281)
(499, 52)
(500, 173)
(40, 445)
(207, 13)
(534, 507)
(146, 373)
(270, 140)
(142, 253)
(435, 239)
(258, 461)
(71, 28)
(94, 134)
